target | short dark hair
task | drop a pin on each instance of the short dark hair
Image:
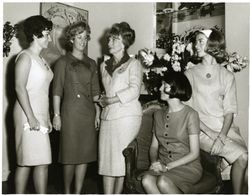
(215, 45)
(180, 86)
(126, 32)
(35, 25)
(74, 29)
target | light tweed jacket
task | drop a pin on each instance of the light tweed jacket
(126, 84)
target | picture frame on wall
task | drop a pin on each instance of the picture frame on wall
(61, 15)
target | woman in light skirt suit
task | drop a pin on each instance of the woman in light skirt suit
(122, 112)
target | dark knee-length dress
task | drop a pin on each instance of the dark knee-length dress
(76, 82)
(172, 131)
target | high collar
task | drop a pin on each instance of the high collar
(109, 63)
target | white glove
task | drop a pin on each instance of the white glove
(43, 130)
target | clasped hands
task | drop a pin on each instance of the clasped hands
(158, 167)
(104, 101)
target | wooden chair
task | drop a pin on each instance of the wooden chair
(137, 159)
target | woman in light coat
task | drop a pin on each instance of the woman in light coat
(121, 115)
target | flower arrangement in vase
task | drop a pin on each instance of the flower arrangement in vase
(178, 57)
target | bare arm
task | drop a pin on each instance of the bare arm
(228, 120)
(22, 70)
(219, 142)
(57, 112)
(153, 151)
(98, 112)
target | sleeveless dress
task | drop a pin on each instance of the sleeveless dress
(33, 147)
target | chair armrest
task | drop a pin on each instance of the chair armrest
(211, 163)
(130, 154)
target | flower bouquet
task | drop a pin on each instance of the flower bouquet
(178, 58)
(156, 66)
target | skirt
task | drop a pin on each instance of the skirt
(115, 136)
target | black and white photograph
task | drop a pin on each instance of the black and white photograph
(136, 97)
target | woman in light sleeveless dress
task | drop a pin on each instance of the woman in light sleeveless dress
(31, 111)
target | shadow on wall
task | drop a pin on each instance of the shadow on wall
(11, 98)
(103, 41)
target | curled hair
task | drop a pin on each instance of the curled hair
(35, 25)
(180, 86)
(215, 45)
(74, 29)
(126, 32)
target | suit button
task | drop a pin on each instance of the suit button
(166, 125)
(167, 143)
(167, 117)
(78, 96)
(166, 134)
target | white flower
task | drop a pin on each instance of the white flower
(175, 57)
(167, 57)
(147, 57)
(189, 48)
(164, 69)
(182, 48)
(230, 68)
(176, 66)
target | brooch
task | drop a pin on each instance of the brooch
(208, 75)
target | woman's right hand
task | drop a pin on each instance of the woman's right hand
(156, 167)
(57, 123)
(34, 123)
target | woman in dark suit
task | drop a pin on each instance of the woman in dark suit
(75, 87)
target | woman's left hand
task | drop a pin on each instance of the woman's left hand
(104, 101)
(50, 126)
(216, 147)
(97, 122)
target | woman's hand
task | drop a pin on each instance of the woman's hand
(156, 167)
(57, 122)
(97, 122)
(104, 101)
(217, 146)
(49, 125)
(167, 167)
(34, 123)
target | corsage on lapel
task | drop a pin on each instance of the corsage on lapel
(123, 67)
(110, 67)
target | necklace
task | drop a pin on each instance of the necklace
(45, 64)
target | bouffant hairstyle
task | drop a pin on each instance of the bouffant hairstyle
(180, 86)
(216, 45)
(126, 32)
(35, 25)
(74, 29)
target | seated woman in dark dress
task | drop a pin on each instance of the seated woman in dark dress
(174, 152)
(76, 86)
